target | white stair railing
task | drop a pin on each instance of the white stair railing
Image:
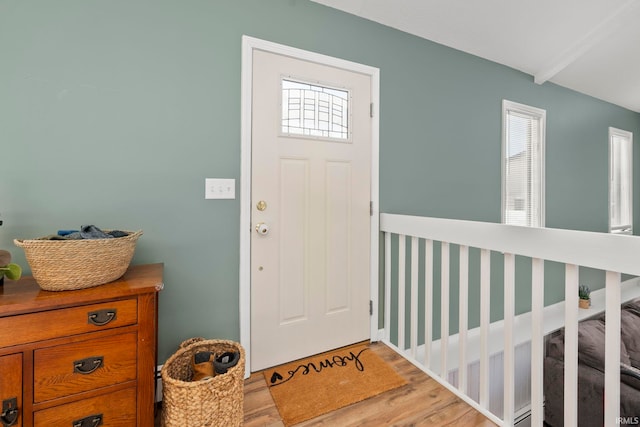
(614, 254)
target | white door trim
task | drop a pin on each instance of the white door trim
(249, 44)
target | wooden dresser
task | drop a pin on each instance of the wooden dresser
(80, 358)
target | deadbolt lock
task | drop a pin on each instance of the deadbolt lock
(262, 205)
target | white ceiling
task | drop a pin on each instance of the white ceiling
(591, 46)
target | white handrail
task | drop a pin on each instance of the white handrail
(603, 251)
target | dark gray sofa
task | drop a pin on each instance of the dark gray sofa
(591, 344)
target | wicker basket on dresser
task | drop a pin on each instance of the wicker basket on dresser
(80, 358)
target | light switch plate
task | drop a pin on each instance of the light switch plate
(216, 188)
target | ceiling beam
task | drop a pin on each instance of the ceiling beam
(603, 30)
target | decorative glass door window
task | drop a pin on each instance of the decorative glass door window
(315, 111)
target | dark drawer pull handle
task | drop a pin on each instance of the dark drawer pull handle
(90, 421)
(88, 365)
(102, 317)
(10, 412)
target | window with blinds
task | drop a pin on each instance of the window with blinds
(523, 136)
(620, 179)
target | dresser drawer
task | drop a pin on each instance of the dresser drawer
(84, 366)
(116, 409)
(27, 328)
(11, 388)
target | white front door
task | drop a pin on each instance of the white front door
(310, 208)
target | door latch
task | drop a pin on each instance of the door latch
(262, 228)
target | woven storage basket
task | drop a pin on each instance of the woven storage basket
(217, 401)
(62, 265)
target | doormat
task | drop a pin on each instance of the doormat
(310, 387)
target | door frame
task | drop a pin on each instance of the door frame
(249, 44)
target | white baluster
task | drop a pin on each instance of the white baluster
(401, 289)
(485, 314)
(463, 304)
(387, 286)
(571, 346)
(537, 342)
(612, 349)
(428, 301)
(509, 358)
(414, 296)
(444, 309)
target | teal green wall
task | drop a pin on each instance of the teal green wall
(114, 112)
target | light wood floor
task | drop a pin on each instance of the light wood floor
(421, 402)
